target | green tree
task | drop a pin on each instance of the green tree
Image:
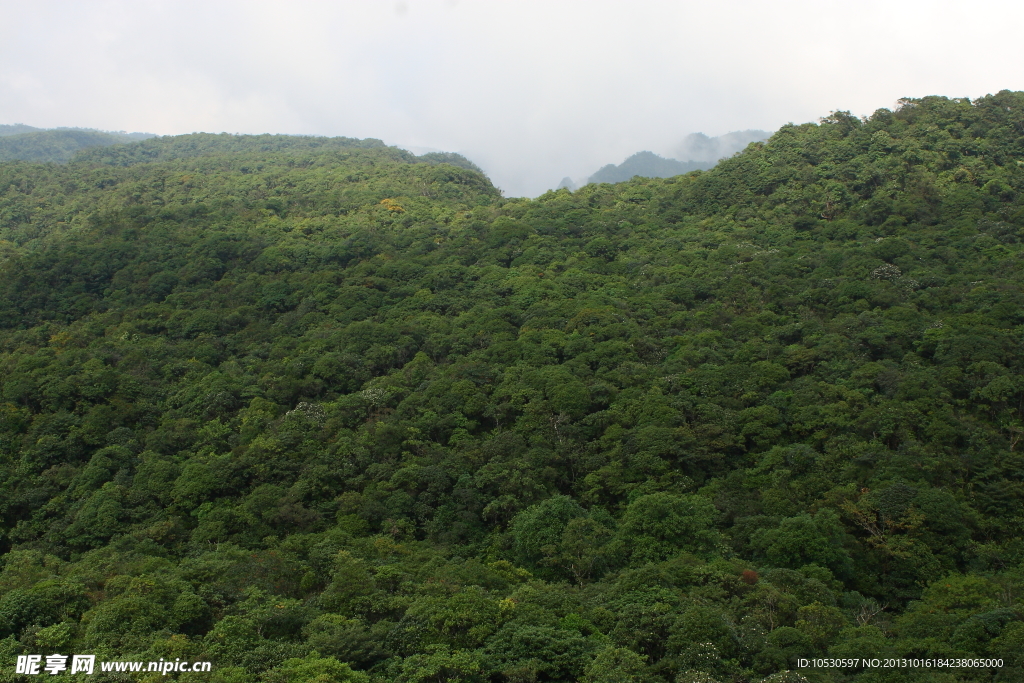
(616, 665)
(658, 526)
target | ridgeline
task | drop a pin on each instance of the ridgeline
(59, 145)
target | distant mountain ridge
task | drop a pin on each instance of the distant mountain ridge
(700, 147)
(699, 151)
(26, 143)
(648, 165)
(21, 128)
(17, 129)
(19, 142)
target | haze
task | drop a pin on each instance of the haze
(530, 91)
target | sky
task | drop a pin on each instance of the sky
(530, 91)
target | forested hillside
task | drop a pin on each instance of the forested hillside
(321, 410)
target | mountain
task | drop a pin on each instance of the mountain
(646, 165)
(17, 129)
(23, 142)
(701, 152)
(20, 128)
(700, 147)
(322, 410)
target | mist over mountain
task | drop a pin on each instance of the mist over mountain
(20, 128)
(26, 143)
(696, 152)
(567, 183)
(700, 147)
(17, 129)
(61, 145)
(647, 165)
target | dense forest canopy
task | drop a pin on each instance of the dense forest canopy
(321, 410)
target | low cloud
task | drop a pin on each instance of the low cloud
(531, 91)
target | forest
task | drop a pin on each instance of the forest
(318, 410)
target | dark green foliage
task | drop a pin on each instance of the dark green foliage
(658, 526)
(538, 529)
(276, 400)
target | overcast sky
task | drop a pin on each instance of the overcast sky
(531, 91)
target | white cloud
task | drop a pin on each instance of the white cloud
(532, 91)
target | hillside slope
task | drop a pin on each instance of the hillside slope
(273, 403)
